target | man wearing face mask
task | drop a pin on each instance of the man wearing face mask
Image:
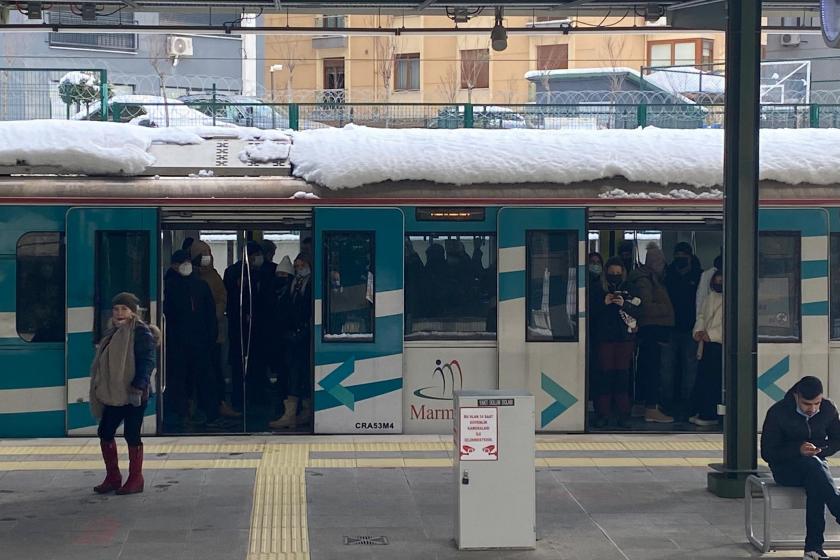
(655, 321)
(800, 432)
(298, 368)
(679, 358)
(191, 331)
(244, 282)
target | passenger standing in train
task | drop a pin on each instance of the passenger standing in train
(413, 278)
(596, 268)
(703, 289)
(708, 332)
(679, 357)
(242, 282)
(613, 329)
(800, 432)
(436, 297)
(120, 380)
(191, 334)
(627, 253)
(298, 358)
(279, 325)
(202, 259)
(655, 319)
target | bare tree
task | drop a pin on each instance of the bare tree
(448, 85)
(475, 65)
(164, 67)
(615, 49)
(289, 58)
(554, 59)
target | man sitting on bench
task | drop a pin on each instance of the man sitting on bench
(799, 432)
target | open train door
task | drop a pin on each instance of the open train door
(792, 300)
(541, 325)
(109, 250)
(358, 320)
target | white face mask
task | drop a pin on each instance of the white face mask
(206, 260)
(185, 269)
(258, 261)
(303, 272)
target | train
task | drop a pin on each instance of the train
(392, 336)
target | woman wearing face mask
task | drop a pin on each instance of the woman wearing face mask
(298, 403)
(708, 332)
(613, 329)
(119, 390)
(596, 267)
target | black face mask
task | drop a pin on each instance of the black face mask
(717, 288)
(614, 280)
(681, 262)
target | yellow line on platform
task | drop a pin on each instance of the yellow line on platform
(84, 465)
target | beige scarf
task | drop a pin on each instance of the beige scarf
(112, 370)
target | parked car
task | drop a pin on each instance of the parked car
(484, 116)
(145, 110)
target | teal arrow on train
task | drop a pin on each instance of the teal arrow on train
(767, 380)
(563, 400)
(332, 383)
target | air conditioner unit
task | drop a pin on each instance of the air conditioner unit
(179, 46)
(790, 40)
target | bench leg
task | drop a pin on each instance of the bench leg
(762, 545)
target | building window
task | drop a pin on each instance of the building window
(407, 71)
(332, 22)
(39, 305)
(450, 286)
(475, 68)
(334, 73)
(779, 292)
(552, 286)
(349, 286)
(688, 52)
(125, 42)
(552, 57)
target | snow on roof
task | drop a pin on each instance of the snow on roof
(568, 72)
(355, 156)
(687, 80)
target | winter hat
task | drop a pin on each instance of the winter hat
(180, 256)
(654, 259)
(128, 299)
(199, 248)
(285, 265)
(268, 246)
(683, 247)
(625, 246)
(253, 248)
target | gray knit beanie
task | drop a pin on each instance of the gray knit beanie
(128, 299)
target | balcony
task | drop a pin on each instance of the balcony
(329, 42)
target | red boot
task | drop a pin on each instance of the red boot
(134, 484)
(113, 478)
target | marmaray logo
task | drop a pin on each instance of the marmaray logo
(449, 378)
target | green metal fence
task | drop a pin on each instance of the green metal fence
(51, 93)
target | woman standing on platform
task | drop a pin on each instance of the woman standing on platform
(119, 390)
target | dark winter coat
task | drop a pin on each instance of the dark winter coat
(190, 312)
(607, 324)
(682, 289)
(656, 309)
(785, 430)
(300, 310)
(259, 295)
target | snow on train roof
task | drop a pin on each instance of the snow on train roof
(354, 155)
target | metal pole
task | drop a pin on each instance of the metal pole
(741, 138)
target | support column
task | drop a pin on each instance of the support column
(740, 222)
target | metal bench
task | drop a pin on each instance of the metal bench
(775, 497)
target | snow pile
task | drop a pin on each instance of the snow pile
(265, 152)
(687, 80)
(203, 174)
(682, 194)
(76, 78)
(304, 195)
(93, 148)
(355, 156)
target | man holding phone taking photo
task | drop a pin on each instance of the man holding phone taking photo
(799, 433)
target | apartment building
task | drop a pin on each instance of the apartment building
(448, 68)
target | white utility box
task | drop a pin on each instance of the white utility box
(494, 470)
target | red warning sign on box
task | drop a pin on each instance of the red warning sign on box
(479, 434)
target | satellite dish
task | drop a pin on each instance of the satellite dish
(830, 19)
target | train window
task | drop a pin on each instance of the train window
(122, 265)
(834, 289)
(39, 309)
(349, 287)
(450, 286)
(552, 286)
(779, 309)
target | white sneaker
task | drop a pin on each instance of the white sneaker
(816, 555)
(703, 423)
(693, 419)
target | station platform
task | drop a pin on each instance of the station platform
(599, 497)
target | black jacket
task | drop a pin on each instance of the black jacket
(682, 289)
(190, 311)
(785, 430)
(607, 324)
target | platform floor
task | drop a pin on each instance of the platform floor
(599, 497)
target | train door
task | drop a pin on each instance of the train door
(358, 332)
(792, 300)
(541, 318)
(109, 250)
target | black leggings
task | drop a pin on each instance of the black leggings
(113, 416)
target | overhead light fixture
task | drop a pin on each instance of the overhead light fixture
(33, 10)
(88, 12)
(653, 12)
(498, 36)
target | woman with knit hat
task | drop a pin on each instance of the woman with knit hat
(120, 379)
